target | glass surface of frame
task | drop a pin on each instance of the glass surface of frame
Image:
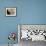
(10, 11)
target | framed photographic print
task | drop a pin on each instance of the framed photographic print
(10, 11)
(32, 32)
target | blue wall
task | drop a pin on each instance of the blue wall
(8, 24)
(33, 12)
(28, 12)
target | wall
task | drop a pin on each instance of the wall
(28, 12)
(8, 24)
(33, 12)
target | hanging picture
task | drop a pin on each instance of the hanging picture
(10, 11)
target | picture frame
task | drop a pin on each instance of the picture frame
(36, 32)
(10, 11)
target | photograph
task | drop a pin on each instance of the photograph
(10, 11)
(31, 33)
